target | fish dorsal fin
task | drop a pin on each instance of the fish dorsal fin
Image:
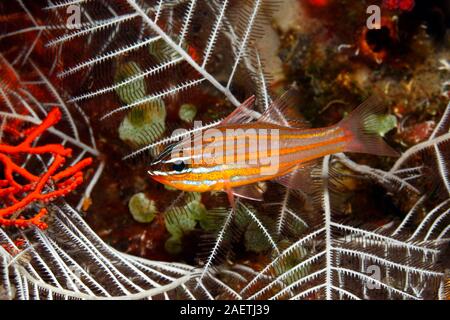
(300, 177)
(241, 114)
(250, 191)
(282, 111)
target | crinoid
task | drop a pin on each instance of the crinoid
(197, 43)
(317, 253)
(66, 260)
(127, 55)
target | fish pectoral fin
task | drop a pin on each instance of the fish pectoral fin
(250, 191)
(239, 115)
(283, 112)
(300, 178)
(230, 195)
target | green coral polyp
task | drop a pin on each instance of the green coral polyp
(144, 125)
(142, 209)
(382, 124)
(133, 90)
(187, 112)
(180, 221)
(161, 51)
(173, 245)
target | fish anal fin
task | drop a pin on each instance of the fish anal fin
(300, 177)
(283, 112)
(250, 191)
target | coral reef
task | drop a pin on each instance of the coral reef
(134, 70)
(19, 199)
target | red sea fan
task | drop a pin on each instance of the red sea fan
(53, 183)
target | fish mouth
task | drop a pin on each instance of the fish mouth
(156, 177)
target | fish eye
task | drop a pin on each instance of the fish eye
(178, 166)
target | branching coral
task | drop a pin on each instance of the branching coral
(18, 198)
(311, 253)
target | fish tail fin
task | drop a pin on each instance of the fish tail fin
(361, 126)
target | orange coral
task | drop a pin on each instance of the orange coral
(378, 52)
(404, 5)
(51, 184)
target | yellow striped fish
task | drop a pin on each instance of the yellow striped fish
(236, 155)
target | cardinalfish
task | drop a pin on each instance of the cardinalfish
(238, 154)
